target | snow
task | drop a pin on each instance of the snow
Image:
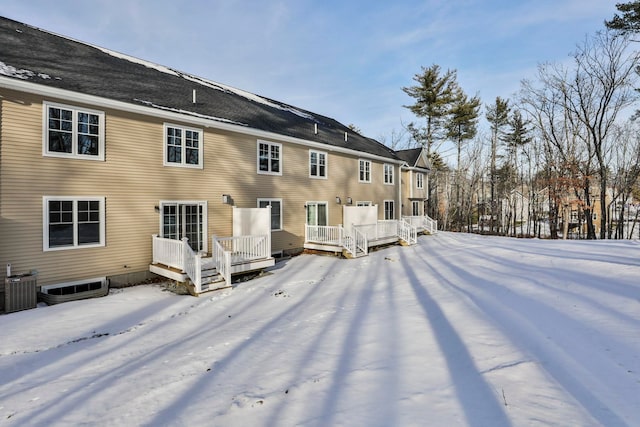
(11, 71)
(206, 82)
(457, 330)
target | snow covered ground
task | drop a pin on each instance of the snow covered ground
(457, 330)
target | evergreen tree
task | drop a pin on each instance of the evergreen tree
(629, 21)
(462, 126)
(434, 94)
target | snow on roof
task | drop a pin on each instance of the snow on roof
(205, 82)
(10, 71)
(191, 113)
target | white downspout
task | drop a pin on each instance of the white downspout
(400, 191)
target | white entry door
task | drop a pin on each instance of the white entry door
(317, 213)
(185, 219)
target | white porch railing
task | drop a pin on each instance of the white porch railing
(228, 251)
(407, 232)
(380, 230)
(178, 254)
(222, 260)
(192, 265)
(430, 224)
(423, 222)
(325, 234)
(168, 252)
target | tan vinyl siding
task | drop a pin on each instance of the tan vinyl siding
(133, 181)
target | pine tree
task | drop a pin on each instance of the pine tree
(629, 22)
(434, 94)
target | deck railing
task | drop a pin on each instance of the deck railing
(325, 234)
(407, 232)
(168, 252)
(425, 223)
(380, 230)
(178, 254)
(228, 251)
(430, 224)
(222, 260)
(192, 265)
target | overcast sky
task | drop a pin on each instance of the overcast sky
(344, 59)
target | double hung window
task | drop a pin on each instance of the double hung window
(269, 158)
(73, 132)
(317, 164)
(73, 222)
(364, 174)
(419, 180)
(182, 147)
(388, 174)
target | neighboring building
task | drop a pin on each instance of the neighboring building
(99, 151)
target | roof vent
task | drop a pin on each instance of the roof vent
(346, 136)
(194, 96)
(315, 128)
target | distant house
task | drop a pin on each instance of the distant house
(112, 167)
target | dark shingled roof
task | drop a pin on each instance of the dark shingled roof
(411, 156)
(44, 58)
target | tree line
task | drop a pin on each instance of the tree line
(561, 157)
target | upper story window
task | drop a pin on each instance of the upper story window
(73, 222)
(269, 158)
(364, 174)
(388, 173)
(73, 132)
(317, 164)
(419, 180)
(182, 146)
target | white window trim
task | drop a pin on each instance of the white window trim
(388, 178)
(414, 211)
(384, 208)
(45, 222)
(205, 215)
(271, 199)
(280, 159)
(326, 164)
(74, 144)
(367, 181)
(182, 164)
(419, 180)
(317, 203)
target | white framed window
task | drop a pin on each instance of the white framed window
(363, 203)
(276, 212)
(73, 222)
(317, 213)
(72, 132)
(419, 180)
(389, 209)
(182, 146)
(269, 158)
(184, 218)
(317, 164)
(364, 170)
(415, 208)
(388, 174)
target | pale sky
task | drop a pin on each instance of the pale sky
(344, 59)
